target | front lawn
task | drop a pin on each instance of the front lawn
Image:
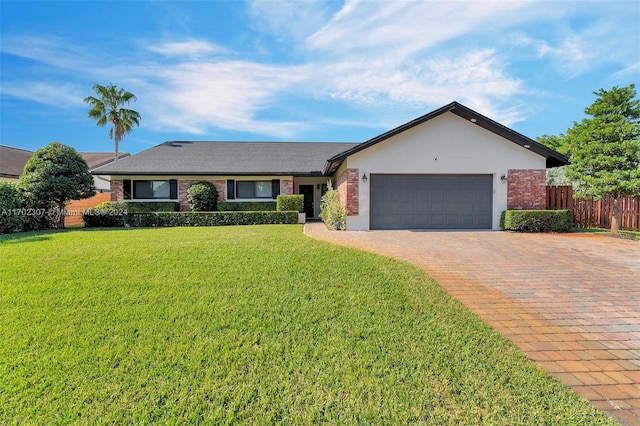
(254, 324)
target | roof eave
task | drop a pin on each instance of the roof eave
(205, 173)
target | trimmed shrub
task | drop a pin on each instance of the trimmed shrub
(152, 206)
(202, 197)
(12, 218)
(246, 206)
(287, 203)
(537, 220)
(141, 207)
(101, 217)
(332, 213)
(105, 215)
(209, 218)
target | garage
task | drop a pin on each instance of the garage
(431, 201)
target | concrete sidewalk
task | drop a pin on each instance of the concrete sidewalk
(571, 302)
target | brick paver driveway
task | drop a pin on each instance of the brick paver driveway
(570, 301)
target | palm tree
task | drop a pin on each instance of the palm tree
(108, 107)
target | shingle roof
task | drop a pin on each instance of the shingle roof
(97, 159)
(13, 160)
(229, 158)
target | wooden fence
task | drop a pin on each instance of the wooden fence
(589, 213)
(75, 208)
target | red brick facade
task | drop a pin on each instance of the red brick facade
(117, 194)
(526, 189)
(221, 187)
(286, 187)
(348, 186)
(116, 190)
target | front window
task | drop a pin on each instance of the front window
(254, 189)
(150, 189)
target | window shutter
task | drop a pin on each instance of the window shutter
(126, 189)
(173, 189)
(231, 189)
(275, 188)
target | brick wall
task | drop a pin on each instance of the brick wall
(348, 186)
(286, 187)
(526, 189)
(116, 190)
(221, 187)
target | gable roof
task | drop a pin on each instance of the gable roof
(98, 159)
(554, 158)
(13, 160)
(228, 158)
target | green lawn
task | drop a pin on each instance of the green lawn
(254, 324)
(631, 235)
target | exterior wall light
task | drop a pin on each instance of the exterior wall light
(503, 178)
(364, 178)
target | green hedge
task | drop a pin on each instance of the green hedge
(105, 218)
(285, 203)
(141, 207)
(537, 220)
(12, 216)
(246, 206)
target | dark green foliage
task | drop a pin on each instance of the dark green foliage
(105, 215)
(202, 197)
(114, 213)
(285, 203)
(142, 207)
(98, 217)
(557, 143)
(11, 217)
(332, 213)
(537, 220)
(56, 174)
(605, 149)
(246, 206)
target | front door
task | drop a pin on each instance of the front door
(307, 191)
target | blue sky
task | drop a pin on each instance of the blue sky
(305, 70)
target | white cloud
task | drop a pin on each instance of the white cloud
(186, 48)
(402, 28)
(195, 96)
(289, 19)
(409, 56)
(53, 94)
(49, 50)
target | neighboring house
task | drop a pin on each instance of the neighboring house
(99, 159)
(450, 169)
(13, 160)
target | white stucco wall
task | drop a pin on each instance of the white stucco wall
(447, 144)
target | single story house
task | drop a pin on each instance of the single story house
(450, 169)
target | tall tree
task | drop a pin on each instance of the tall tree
(555, 175)
(55, 175)
(557, 143)
(108, 107)
(605, 149)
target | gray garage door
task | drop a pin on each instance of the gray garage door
(431, 201)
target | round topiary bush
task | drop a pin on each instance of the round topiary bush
(202, 197)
